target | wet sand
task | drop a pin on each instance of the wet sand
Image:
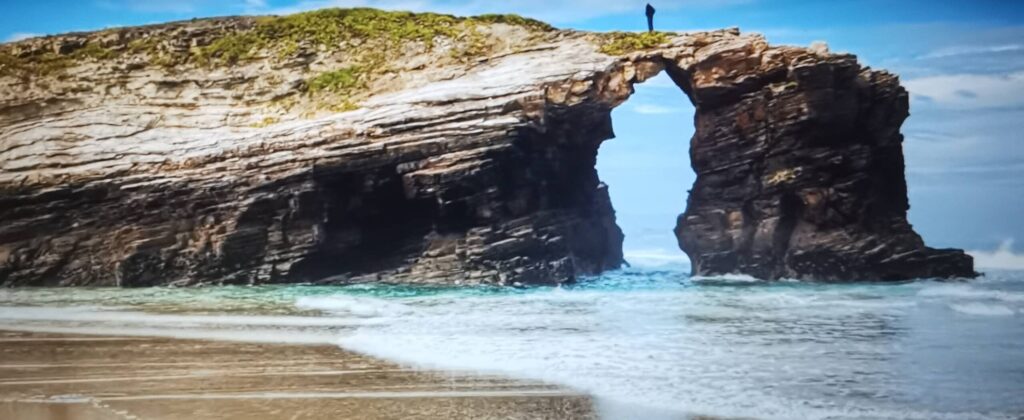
(64, 376)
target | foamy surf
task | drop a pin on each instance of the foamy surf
(644, 342)
(1002, 258)
(248, 335)
(726, 279)
(655, 257)
(351, 305)
(123, 317)
(982, 309)
(764, 350)
(966, 291)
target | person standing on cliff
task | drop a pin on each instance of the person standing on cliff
(650, 18)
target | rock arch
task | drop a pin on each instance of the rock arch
(799, 163)
(467, 174)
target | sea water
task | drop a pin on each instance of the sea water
(647, 342)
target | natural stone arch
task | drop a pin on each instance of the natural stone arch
(799, 163)
(468, 173)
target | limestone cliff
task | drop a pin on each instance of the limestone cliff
(359, 145)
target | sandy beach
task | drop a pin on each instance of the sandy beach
(63, 376)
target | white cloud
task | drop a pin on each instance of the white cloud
(972, 50)
(947, 147)
(18, 36)
(969, 169)
(1002, 258)
(254, 7)
(652, 109)
(970, 90)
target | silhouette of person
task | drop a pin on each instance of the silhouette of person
(650, 18)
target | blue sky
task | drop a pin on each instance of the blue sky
(963, 62)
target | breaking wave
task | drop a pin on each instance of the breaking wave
(966, 291)
(727, 346)
(1002, 258)
(982, 309)
(646, 342)
(351, 305)
(655, 257)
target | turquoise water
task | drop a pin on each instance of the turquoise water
(643, 340)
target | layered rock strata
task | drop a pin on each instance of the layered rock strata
(465, 157)
(800, 170)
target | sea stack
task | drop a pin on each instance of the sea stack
(800, 171)
(314, 148)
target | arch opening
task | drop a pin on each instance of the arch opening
(646, 167)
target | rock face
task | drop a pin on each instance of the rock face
(800, 171)
(441, 166)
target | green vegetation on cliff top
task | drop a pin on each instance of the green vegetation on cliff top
(369, 41)
(372, 32)
(283, 36)
(619, 43)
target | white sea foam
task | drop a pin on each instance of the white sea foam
(965, 291)
(248, 335)
(76, 314)
(655, 257)
(981, 309)
(351, 305)
(713, 350)
(726, 278)
(648, 344)
(110, 321)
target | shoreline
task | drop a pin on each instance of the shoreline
(100, 377)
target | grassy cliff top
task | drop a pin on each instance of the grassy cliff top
(339, 56)
(327, 60)
(228, 41)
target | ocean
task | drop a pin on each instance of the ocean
(645, 342)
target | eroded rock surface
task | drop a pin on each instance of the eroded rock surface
(468, 159)
(800, 171)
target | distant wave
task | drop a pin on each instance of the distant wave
(982, 309)
(119, 317)
(363, 307)
(655, 257)
(247, 328)
(976, 300)
(963, 291)
(726, 279)
(645, 343)
(1002, 258)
